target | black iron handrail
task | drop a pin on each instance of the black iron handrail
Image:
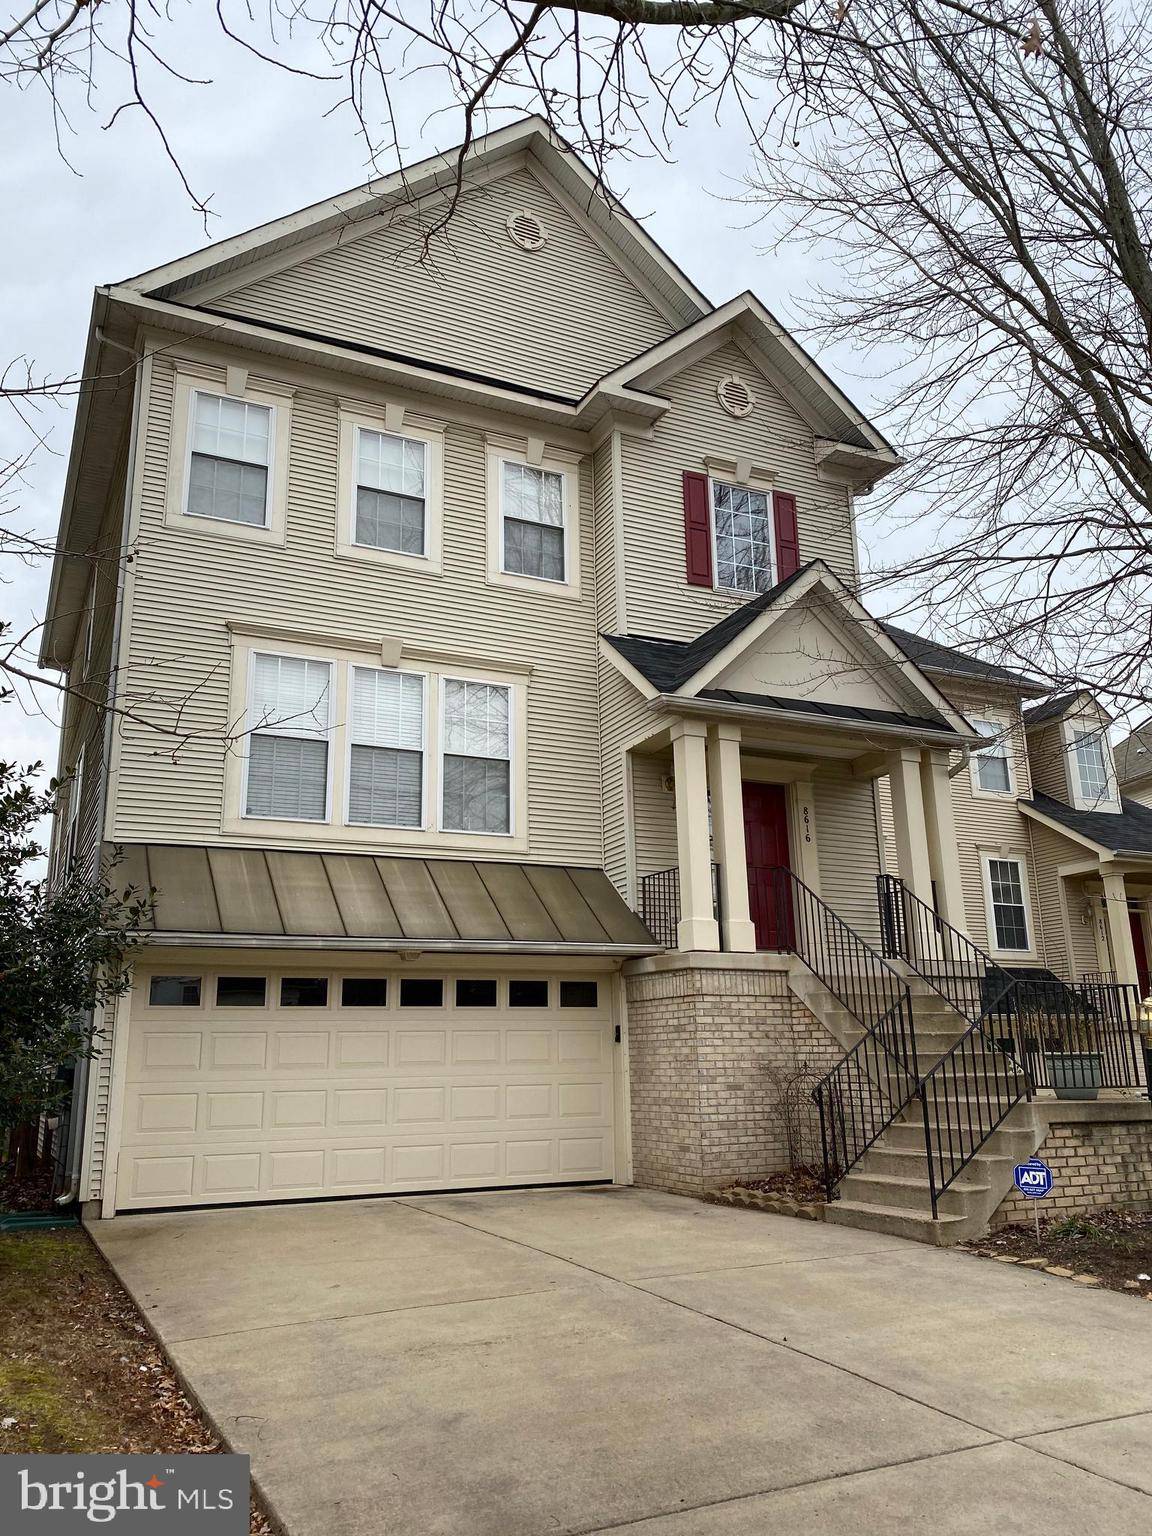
(659, 903)
(970, 1091)
(876, 1080)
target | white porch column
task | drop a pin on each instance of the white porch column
(728, 836)
(943, 849)
(697, 928)
(912, 860)
(1119, 927)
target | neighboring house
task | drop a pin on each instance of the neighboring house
(1134, 764)
(481, 634)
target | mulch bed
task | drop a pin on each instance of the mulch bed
(1112, 1245)
(803, 1185)
(33, 1193)
(79, 1372)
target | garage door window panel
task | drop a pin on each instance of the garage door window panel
(476, 994)
(525, 993)
(288, 751)
(421, 992)
(174, 991)
(364, 992)
(241, 991)
(304, 992)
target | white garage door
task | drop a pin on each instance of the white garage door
(245, 1085)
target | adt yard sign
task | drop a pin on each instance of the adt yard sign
(1033, 1178)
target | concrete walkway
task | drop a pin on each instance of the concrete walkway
(618, 1360)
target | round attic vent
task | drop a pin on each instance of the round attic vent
(735, 396)
(526, 230)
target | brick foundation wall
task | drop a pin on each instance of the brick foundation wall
(1094, 1164)
(703, 1045)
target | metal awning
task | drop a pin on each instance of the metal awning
(273, 896)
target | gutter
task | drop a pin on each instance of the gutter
(393, 946)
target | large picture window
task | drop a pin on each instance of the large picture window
(532, 508)
(476, 757)
(288, 747)
(742, 537)
(231, 455)
(391, 492)
(386, 767)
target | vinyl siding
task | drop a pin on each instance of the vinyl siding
(1048, 758)
(554, 320)
(188, 585)
(623, 718)
(1052, 850)
(82, 726)
(849, 850)
(96, 1132)
(660, 602)
(983, 822)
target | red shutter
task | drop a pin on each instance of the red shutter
(697, 530)
(787, 541)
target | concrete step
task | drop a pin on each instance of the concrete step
(1016, 1141)
(895, 1221)
(910, 1193)
(902, 1163)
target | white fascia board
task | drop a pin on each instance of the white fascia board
(626, 670)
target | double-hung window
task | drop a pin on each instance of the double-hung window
(72, 829)
(391, 504)
(290, 721)
(231, 456)
(1091, 766)
(532, 521)
(476, 757)
(1009, 910)
(993, 770)
(386, 761)
(742, 537)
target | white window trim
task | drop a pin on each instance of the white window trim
(761, 488)
(978, 789)
(72, 823)
(358, 417)
(338, 832)
(513, 822)
(425, 771)
(1069, 729)
(1011, 857)
(556, 462)
(191, 381)
(325, 735)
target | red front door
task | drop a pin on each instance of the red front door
(766, 841)
(1143, 975)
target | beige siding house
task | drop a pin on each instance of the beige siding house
(465, 645)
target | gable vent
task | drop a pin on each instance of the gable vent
(526, 230)
(735, 396)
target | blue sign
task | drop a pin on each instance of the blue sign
(1033, 1178)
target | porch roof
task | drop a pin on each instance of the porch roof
(273, 896)
(1127, 831)
(827, 711)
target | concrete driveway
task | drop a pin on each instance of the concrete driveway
(619, 1360)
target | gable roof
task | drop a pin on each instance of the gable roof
(1128, 831)
(333, 216)
(673, 667)
(1056, 708)
(1134, 755)
(934, 657)
(848, 434)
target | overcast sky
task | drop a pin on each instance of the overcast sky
(259, 142)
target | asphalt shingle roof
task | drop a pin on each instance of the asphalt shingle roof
(1052, 709)
(1129, 830)
(942, 658)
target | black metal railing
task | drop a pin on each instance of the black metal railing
(659, 903)
(877, 1078)
(1024, 1030)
